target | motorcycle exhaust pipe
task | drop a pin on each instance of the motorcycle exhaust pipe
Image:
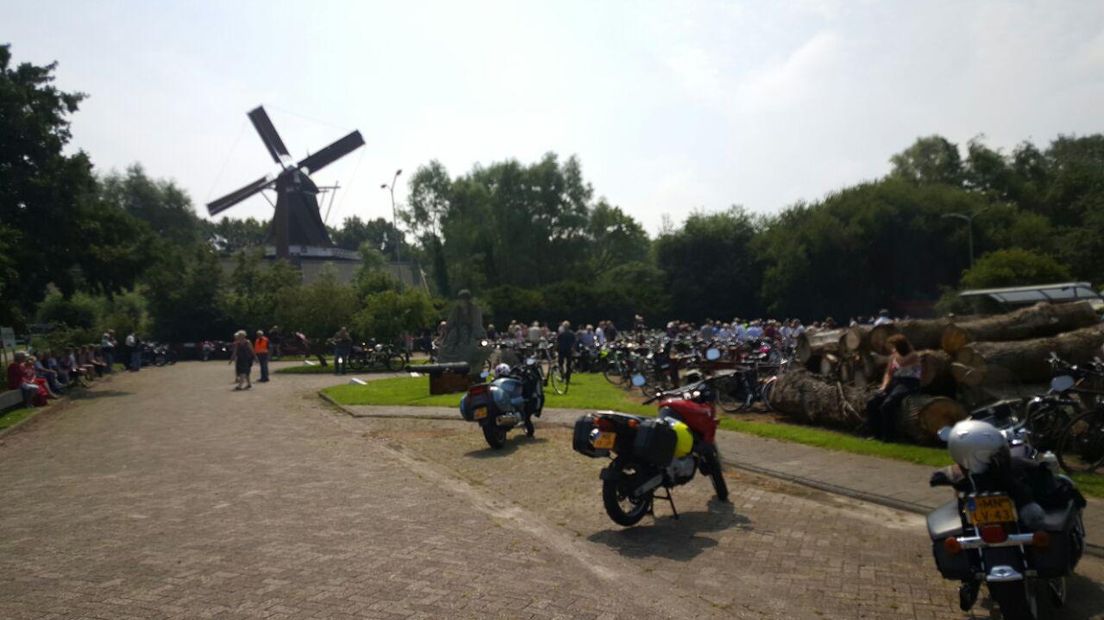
(648, 486)
(508, 419)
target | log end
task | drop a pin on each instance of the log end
(954, 338)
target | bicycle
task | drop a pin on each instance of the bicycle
(1081, 446)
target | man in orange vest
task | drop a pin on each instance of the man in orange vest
(260, 349)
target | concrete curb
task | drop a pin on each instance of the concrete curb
(873, 498)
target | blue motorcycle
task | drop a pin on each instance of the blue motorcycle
(512, 399)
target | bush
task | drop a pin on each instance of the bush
(1014, 267)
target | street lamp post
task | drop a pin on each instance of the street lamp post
(395, 220)
(969, 219)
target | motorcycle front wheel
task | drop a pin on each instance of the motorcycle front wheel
(716, 474)
(1016, 599)
(394, 362)
(620, 506)
(495, 435)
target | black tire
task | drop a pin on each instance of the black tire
(394, 362)
(612, 373)
(355, 363)
(1016, 599)
(558, 381)
(613, 497)
(765, 394)
(1081, 446)
(716, 474)
(495, 435)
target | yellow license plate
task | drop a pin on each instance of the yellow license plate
(604, 441)
(480, 413)
(992, 509)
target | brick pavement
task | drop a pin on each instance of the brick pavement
(134, 503)
(895, 484)
(165, 495)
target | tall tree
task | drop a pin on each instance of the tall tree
(932, 159)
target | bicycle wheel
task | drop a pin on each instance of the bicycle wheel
(613, 373)
(1081, 447)
(557, 380)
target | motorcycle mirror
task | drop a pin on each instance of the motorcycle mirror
(530, 361)
(712, 354)
(638, 380)
(1061, 383)
(944, 434)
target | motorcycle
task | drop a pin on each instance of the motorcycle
(649, 453)
(505, 403)
(1017, 544)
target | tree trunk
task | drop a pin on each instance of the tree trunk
(855, 339)
(808, 398)
(817, 343)
(922, 415)
(1042, 319)
(1024, 361)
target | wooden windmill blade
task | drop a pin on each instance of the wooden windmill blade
(217, 206)
(271, 139)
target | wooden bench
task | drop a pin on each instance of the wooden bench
(10, 398)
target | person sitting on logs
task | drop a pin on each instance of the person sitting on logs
(902, 377)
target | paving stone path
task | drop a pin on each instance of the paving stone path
(164, 494)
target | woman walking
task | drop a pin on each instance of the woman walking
(242, 358)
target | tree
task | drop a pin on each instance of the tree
(318, 309)
(710, 267)
(389, 314)
(380, 234)
(932, 159)
(164, 207)
(230, 235)
(615, 238)
(1014, 267)
(182, 289)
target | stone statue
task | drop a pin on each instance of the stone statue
(464, 334)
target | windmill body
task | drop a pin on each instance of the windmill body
(297, 227)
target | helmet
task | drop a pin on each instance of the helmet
(502, 370)
(973, 444)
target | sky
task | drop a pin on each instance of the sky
(671, 106)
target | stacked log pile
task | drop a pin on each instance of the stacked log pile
(966, 355)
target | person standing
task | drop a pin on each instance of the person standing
(565, 348)
(242, 359)
(276, 339)
(107, 345)
(134, 345)
(260, 349)
(343, 347)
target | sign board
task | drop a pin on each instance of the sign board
(7, 337)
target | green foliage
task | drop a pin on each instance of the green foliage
(711, 268)
(318, 309)
(182, 288)
(1014, 267)
(379, 234)
(229, 236)
(388, 314)
(932, 159)
(79, 310)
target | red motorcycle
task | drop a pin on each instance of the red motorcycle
(649, 453)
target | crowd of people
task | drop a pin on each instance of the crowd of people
(49, 374)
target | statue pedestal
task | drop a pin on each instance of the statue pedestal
(448, 383)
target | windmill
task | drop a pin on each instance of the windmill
(296, 220)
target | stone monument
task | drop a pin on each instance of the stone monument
(464, 335)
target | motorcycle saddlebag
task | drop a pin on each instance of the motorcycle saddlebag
(655, 442)
(944, 522)
(1063, 552)
(581, 439)
(478, 396)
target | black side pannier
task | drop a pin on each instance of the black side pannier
(1062, 553)
(655, 442)
(581, 439)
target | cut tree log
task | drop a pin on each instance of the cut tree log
(818, 342)
(922, 333)
(922, 415)
(1042, 319)
(809, 398)
(1024, 361)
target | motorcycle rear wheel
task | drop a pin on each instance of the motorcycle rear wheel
(394, 362)
(1016, 599)
(623, 509)
(495, 435)
(716, 474)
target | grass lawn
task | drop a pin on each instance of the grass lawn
(594, 392)
(587, 392)
(15, 416)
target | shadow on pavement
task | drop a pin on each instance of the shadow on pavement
(675, 539)
(92, 395)
(513, 442)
